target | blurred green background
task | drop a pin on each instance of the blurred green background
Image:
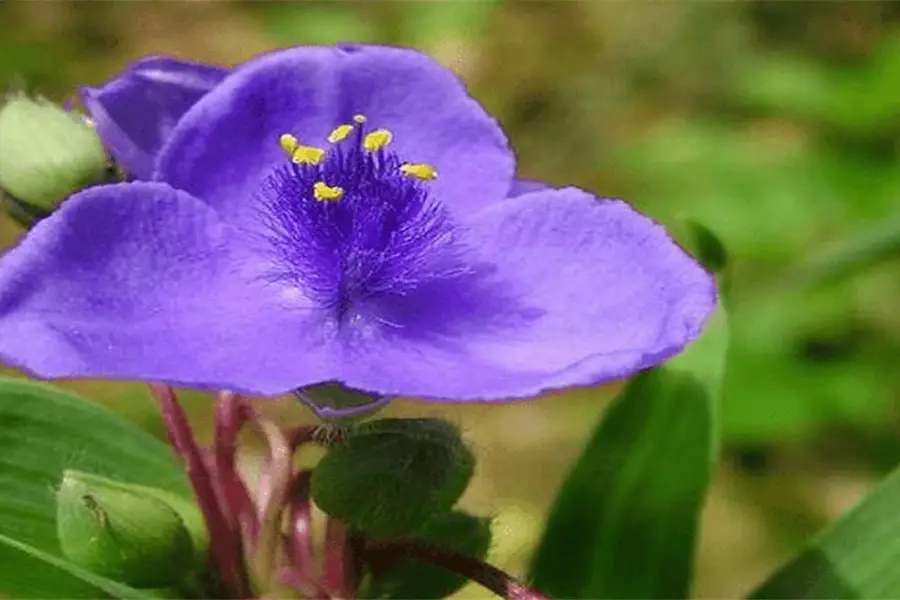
(774, 123)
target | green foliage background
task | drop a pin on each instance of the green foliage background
(773, 123)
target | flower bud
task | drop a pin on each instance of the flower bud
(123, 532)
(46, 153)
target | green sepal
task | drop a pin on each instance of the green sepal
(340, 397)
(705, 245)
(20, 211)
(391, 476)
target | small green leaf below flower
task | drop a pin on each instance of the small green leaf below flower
(391, 476)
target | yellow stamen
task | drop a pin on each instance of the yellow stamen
(359, 119)
(300, 154)
(327, 193)
(288, 142)
(307, 155)
(340, 133)
(422, 172)
(377, 140)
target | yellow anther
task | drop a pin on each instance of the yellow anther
(359, 119)
(300, 154)
(340, 133)
(288, 142)
(307, 155)
(422, 172)
(327, 193)
(377, 140)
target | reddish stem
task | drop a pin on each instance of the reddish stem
(274, 487)
(276, 477)
(225, 545)
(300, 536)
(381, 554)
(231, 414)
(301, 583)
(336, 566)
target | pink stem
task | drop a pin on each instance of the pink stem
(232, 412)
(301, 583)
(300, 537)
(224, 546)
(274, 488)
(292, 440)
(336, 568)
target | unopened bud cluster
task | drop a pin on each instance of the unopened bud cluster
(141, 536)
(46, 154)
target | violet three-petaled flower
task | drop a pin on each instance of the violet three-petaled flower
(346, 214)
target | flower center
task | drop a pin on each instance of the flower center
(372, 142)
(353, 226)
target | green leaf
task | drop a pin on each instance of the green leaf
(44, 431)
(455, 531)
(392, 475)
(27, 572)
(625, 523)
(857, 557)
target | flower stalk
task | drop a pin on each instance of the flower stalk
(224, 548)
(250, 553)
(381, 554)
(261, 544)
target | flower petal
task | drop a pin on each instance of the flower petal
(601, 293)
(223, 147)
(136, 111)
(140, 281)
(525, 186)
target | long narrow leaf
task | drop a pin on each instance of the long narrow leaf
(625, 522)
(858, 557)
(31, 573)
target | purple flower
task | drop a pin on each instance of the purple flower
(136, 111)
(346, 214)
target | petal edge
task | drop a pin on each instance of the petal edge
(613, 295)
